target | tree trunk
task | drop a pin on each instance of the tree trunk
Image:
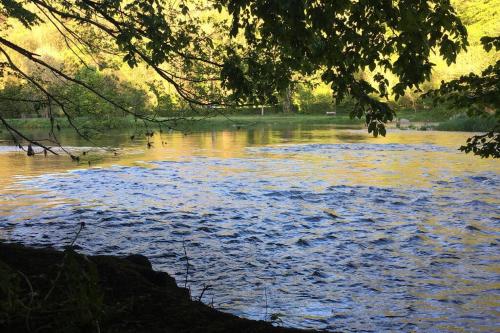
(287, 100)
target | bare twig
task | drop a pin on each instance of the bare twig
(82, 225)
(265, 293)
(32, 296)
(13, 131)
(205, 288)
(58, 276)
(187, 263)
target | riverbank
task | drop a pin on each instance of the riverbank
(45, 290)
(424, 119)
(195, 124)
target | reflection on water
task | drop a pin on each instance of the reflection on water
(332, 228)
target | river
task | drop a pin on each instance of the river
(321, 227)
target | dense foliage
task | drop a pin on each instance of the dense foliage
(480, 95)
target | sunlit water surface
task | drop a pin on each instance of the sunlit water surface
(330, 229)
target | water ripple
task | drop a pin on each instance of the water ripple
(325, 254)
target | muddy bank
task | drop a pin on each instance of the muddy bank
(44, 290)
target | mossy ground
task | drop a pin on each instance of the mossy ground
(101, 294)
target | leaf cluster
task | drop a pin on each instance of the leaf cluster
(342, 38)
(479, 94)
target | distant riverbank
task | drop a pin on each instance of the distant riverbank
(420, 120)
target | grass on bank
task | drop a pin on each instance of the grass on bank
(440, 119)
(193, 123)
(467, 124)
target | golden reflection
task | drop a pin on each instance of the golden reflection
(395, 167)
(351, 164)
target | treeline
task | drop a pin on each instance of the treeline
(19, 99)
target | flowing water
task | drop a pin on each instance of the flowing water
(325, 228)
